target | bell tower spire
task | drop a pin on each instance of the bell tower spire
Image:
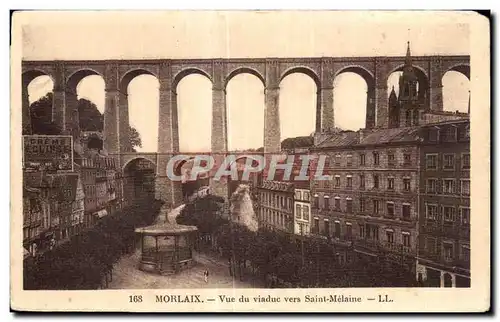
(408, 61)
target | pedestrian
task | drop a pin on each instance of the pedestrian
(33, 249)
(205, 275)
(52, 243)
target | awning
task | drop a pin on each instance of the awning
(101, 213)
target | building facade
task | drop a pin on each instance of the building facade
(276, 202)
(370, 207)
(78, 214)
(444, 223)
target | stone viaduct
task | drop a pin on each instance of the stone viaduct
(117, 74)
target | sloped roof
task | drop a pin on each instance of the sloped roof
(371, 137)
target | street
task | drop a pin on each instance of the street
(126, 275)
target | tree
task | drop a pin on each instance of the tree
(41, 117)
(135, 138)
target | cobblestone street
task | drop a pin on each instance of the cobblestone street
(126, 275)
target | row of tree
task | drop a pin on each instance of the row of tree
(90, 119)
(86, 261)
(284, 258)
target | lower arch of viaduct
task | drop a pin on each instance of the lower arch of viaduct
(117, 74)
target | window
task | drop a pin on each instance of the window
(298, 195)
(466, 161)
(375, 206)
(465, 187)
(450, 134)
(349, 182)
(337, 203)
(431, 185)
(465, 216)
(362, 181)
(391, 161)
(407, 159)
(305, 212)
(362, 160)
(431, 212)
(390, 236)
(361, 205)
(448, 213)
(431, 161)
(316, 201)
(349, 160)
(316, 225)
(376, 158)
(375, 181)
(337, 159)
(306, 196)
(449, 161)
(348, 232)
(390, 183)
(449, 186)
(406, 211)
(337, 181)
(298, 214)
(349, 205)
(406, 239)
(390, 209)
(465, 253)
(327, 228)
(434, 135)
(430, 245)
(406, 184)
(448, 251)
(361, 231)
(337, 229)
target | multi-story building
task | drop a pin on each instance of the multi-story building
(444, 222)
(33, 225)
(302, 207)
(371, 204)
(276, 206)
(78, 214)
(88, 174)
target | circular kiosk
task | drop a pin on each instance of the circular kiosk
(166, 248)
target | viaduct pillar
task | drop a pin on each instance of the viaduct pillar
(436, 85)
(272, 135)
(26, 129)
(59, 115)
(381, 100)
(111, 112)
(166, 189)
(325, 121)
(219, 126)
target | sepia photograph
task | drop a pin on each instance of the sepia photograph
(224, 160)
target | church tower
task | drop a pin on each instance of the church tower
(409, 102)
(394, 109)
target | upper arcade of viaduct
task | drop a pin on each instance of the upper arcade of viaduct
(117, 74)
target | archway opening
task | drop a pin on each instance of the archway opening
(245, 112)
(142, 91)
(298, 105)
(448, 282)
(85, 92)
(40, 101)
(423, 87)
(139, 183)
(350, 103)
(194, 113)
(456, 91)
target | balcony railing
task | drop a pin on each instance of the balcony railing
(457, 231)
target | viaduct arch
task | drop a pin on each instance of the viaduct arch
(117, 74)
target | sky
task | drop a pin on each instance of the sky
(237, 34)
